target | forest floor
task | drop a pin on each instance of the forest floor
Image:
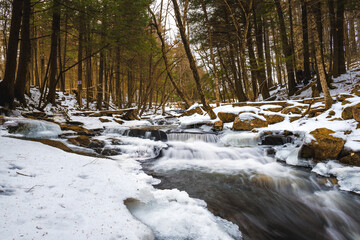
(49, 193)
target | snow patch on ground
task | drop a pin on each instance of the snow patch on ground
(45, 192)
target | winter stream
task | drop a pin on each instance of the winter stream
(267, 199)
(229, 187)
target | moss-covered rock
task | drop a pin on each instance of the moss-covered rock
(291, 110)
(227, 117)
(356, 112)
(324, 147)
(347, 113)
(192, 111)
(351, 159)
(81, 140)
(249, 121)
(78, 129)
(218, 125)
(273, 118)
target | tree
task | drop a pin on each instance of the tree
(286, 50)
(320, 66)
(306, 56)
(55, 27)
(166, 62)
(190, 57)
(7, 85)
(25, 54)
(212, 56)
(339, 54)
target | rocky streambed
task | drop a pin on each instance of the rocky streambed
(238, 174)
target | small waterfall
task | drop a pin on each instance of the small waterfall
(156, 135)
(192, 137)
(241, 139)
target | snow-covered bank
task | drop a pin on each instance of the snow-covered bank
(47, 193)
(53, 194)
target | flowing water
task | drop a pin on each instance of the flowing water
(265, 198)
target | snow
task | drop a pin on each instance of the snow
(59, 198)
(235, 110)
(348, 176)
(180, 207)
(51, 194)
(76, 197)
(250, 116)
(33, 128)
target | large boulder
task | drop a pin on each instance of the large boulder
(192, 111)
(87, 142)
(324, 147)
(291, 110)
(356, 112)
(273, 118)
(347, 113)
(218, 125)
(249, 121)
(352, 159)
(227, 117)
(78, 129)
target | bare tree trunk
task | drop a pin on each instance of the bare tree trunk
(88, 76)
(286, 49)
(212, 57)
(352, 36)
(64, 52)
(7, 85)
(106, 81)
(263, 86)
(166, 62)
(80, 65)
(320, 66)
(267, 56)
(333, 39)
(117, 77)
(292, 34)
(192, 63)
(53, 52)
(277, 53)
(25, 54)
(339, 55)
(305, 39)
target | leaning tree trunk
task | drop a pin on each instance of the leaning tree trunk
(192, 63)
(7, 85)
(25, 55)
(166, 62)
(320, 66)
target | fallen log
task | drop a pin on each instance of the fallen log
(104, 113)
